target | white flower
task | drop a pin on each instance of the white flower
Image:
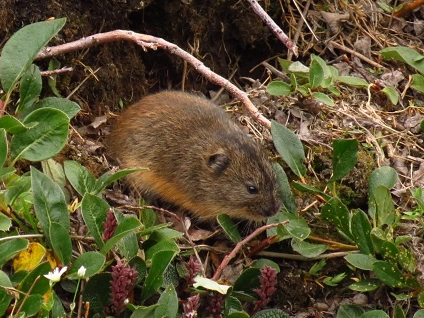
(81, 271)
(55, 275)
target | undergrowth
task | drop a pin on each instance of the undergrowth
(134, 266)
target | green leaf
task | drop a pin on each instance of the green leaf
(389, 274)
(420, 313)
(406, 259)
(94, 211)
(54, 64)
(289, 147)
(392, 94)
(35, 282)
(16, 188)
(97, 292)
(70, 108)
(12, 125)
(365, 285)
(271, 313)
(126, 227)
(345, 156)
(361, 231)
(418, 82)
(229, 228)
(262, 262)
(165, 234)
(334, 281)
(375, 314)
(405, 55)
(278, 88)
(302, 187)
(389, 252)
(361, 261)
(307, 249)
(45, 137)
(154, 279)
(128, 246)
(79, 177)
(285, 64)
(21, 49)
(382, 201)
(57, 309)
(49, 202)
(232, 305)
(323, 98)
(385, 176)
(93, 262)
(144, 312)
(399, 312)
(107, 178)
(295, 228)
(241, 314)
(335, 212)
(32, 304)
(248, 281)
(5, 223)
(5, 300)
(168, 303)
(10, 248)
(60, 241)
(299, 69)
(352, 81)
(284, 191)
(30, 87)
(3, 147)
(161, 246)
(349, 311)
(6, 173)
(54, 170)
(316, 74)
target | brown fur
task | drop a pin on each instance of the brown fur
(198, 159)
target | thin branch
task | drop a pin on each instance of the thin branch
(154, 43)
(239, 245)
(273, 26)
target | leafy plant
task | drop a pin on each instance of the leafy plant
(319, 81)
(38, 202)
(380, 252)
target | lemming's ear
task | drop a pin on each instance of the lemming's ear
(218, 162)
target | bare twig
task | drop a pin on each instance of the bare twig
(359, 55)
(58, 71)
(154, 43)
(239, 245)
(273, 26)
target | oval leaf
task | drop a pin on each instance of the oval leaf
(21, 49)
(30, 87)
(92, 261)
(49, 202)
(289, 147)
(345, 156)
(94, 211)
(278, 88)
(45, 137)
(70, 108)
(229, 227)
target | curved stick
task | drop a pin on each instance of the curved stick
(154, 43)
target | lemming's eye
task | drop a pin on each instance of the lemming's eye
(252, 189)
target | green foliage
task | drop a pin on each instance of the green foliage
(320, 81)
(380, 252)
(38, 202)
